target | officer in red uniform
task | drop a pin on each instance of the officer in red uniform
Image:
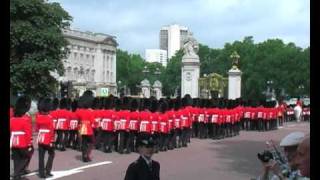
(73, 138)
(133, 125)
(163, 126)
(177, 123)
(154, 120)
(53, 113)
(86, 120)
(195, 115)
(144, 117)
(44, 126)
(171, 129)
(21, 137)
(186, 119)
(63, 116)
(107, 125)
(122, 124)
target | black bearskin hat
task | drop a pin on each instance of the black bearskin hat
(177, 103)
(134, 104)
(22, 106)
(74, 105)
(45, 105)
(64, 103)
(55, 104)
(118, 104)
(154, 104)
(86, 100)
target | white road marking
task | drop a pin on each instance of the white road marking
(60, 174)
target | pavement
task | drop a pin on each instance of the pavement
(233, 158)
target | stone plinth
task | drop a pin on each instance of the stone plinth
(190, 73)
(145, 87)
(234, 83)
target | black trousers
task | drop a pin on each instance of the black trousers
(98, 137)
(20, 157)
(121, 140)
(108, 140)
(184, 136)
(202, 130)
(73, 139)
(43, 170)
(195, 129)
(163, 141)
(86, 146)
(130, 142)
(62, 138)
(171, 137)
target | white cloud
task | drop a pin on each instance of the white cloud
(213, 22)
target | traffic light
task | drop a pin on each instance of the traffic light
(64, 89)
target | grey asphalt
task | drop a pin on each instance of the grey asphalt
(232, 158)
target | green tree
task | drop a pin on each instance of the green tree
(37, 46)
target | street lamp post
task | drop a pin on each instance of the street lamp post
(119, 88)
(301, 88)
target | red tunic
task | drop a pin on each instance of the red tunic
(107, 121)
(163, 120)
(145, 125)
(63, 119)
(134, 121)
(74, 121)
(86, 120)
(44, 124)
(97, 113)
(20, 132)
(170, 115)
(177, 120)
(122, 122)
(54, 115)
(214, 112)
(185, 118)
(154, 122)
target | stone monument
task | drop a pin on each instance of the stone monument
(157, 86)
(190, 70)
(234, 81)
(145, 87)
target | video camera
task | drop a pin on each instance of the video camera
(265, 156)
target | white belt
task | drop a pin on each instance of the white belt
(62, 119)
(123, 120)
(133, 121)
(144, 122)
(41, 131)
(15, 133)
(154, 122)
(163, 123)
(106, 120)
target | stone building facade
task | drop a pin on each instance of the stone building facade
(91, 64)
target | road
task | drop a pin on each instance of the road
(232, 158)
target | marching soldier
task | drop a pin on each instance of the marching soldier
(107, 125)
(144, 168)
(86, 120)
(154, 119)
(171, 129)
(163, 126)
(63, 119)
(133, 125)
(44, 124)
(21, 137)
(73, 140)
(122, 125)
(144, 116)
(177, 124)
(185, 120)
(97, 113)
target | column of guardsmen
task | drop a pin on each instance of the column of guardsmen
(113, 124)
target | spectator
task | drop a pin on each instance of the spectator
(273, 170)
(144, 168)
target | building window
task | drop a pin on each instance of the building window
(75, 56)
(69, 73)
(87, 77)
(75, 73)
(92, 75)
(111, 77)
(107, 76)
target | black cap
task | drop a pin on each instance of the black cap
(145, 140)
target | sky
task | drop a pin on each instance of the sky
(136, 24)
